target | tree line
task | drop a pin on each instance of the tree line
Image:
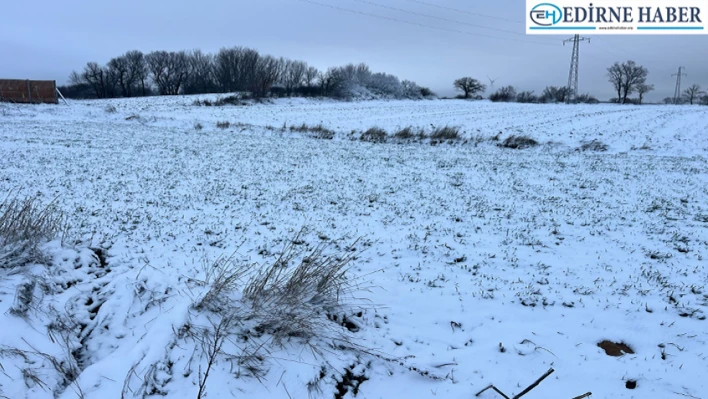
(627, 78)
(472, 89)
(236, 69)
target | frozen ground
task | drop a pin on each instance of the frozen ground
(483, 264)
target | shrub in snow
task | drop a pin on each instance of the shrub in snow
(518, 142)
(374, 135)
(526, 97)
(586, 99)
(594, 145)
(504, 94)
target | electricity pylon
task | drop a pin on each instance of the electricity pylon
(574, 65)
(677, 92)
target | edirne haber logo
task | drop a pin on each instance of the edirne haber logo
(617, 17)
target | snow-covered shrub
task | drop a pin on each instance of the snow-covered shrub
(24, 225)
(385, 85)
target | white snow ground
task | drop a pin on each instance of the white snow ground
(485, 265)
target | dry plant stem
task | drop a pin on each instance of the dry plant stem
(495, 389)
(212, 347)
(522, 393)
(535, 384)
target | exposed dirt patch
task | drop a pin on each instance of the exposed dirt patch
(349, 383)
(615, 349)
(101, 255)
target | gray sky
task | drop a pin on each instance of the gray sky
(68, 33)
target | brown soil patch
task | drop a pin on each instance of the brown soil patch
(615, 349)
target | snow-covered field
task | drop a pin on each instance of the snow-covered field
(479, 265)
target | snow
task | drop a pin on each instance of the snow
(484, 265)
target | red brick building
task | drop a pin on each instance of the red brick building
(28, 91)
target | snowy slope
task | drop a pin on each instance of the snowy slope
(481, 265)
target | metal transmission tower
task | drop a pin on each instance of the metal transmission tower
(574, 64)
(677, 92)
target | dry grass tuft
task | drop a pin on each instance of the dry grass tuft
(446, 133)
(222, 276)
(292, 300)
(24, 224)
(317, 131)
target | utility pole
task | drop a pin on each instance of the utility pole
(574, 64)
(677, 92)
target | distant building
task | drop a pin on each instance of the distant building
(28, 91)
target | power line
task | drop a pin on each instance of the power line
(508, 20)
(419, 24)
(439, 18)
(464, 11)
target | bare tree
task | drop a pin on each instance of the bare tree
(228, 64)
(138, 73)
(95, 76)
(201, 73)
(692, 93)
(325, 80)
(111, 82)
(293, 75)
(267, 73)
(469, 86)
(634, 75)
(310, 76)
(118, 68)
(235, 69)
(625, 78)
(615, 75)
(169, 70)
(643, 89)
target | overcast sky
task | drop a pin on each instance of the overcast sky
(47, 39)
